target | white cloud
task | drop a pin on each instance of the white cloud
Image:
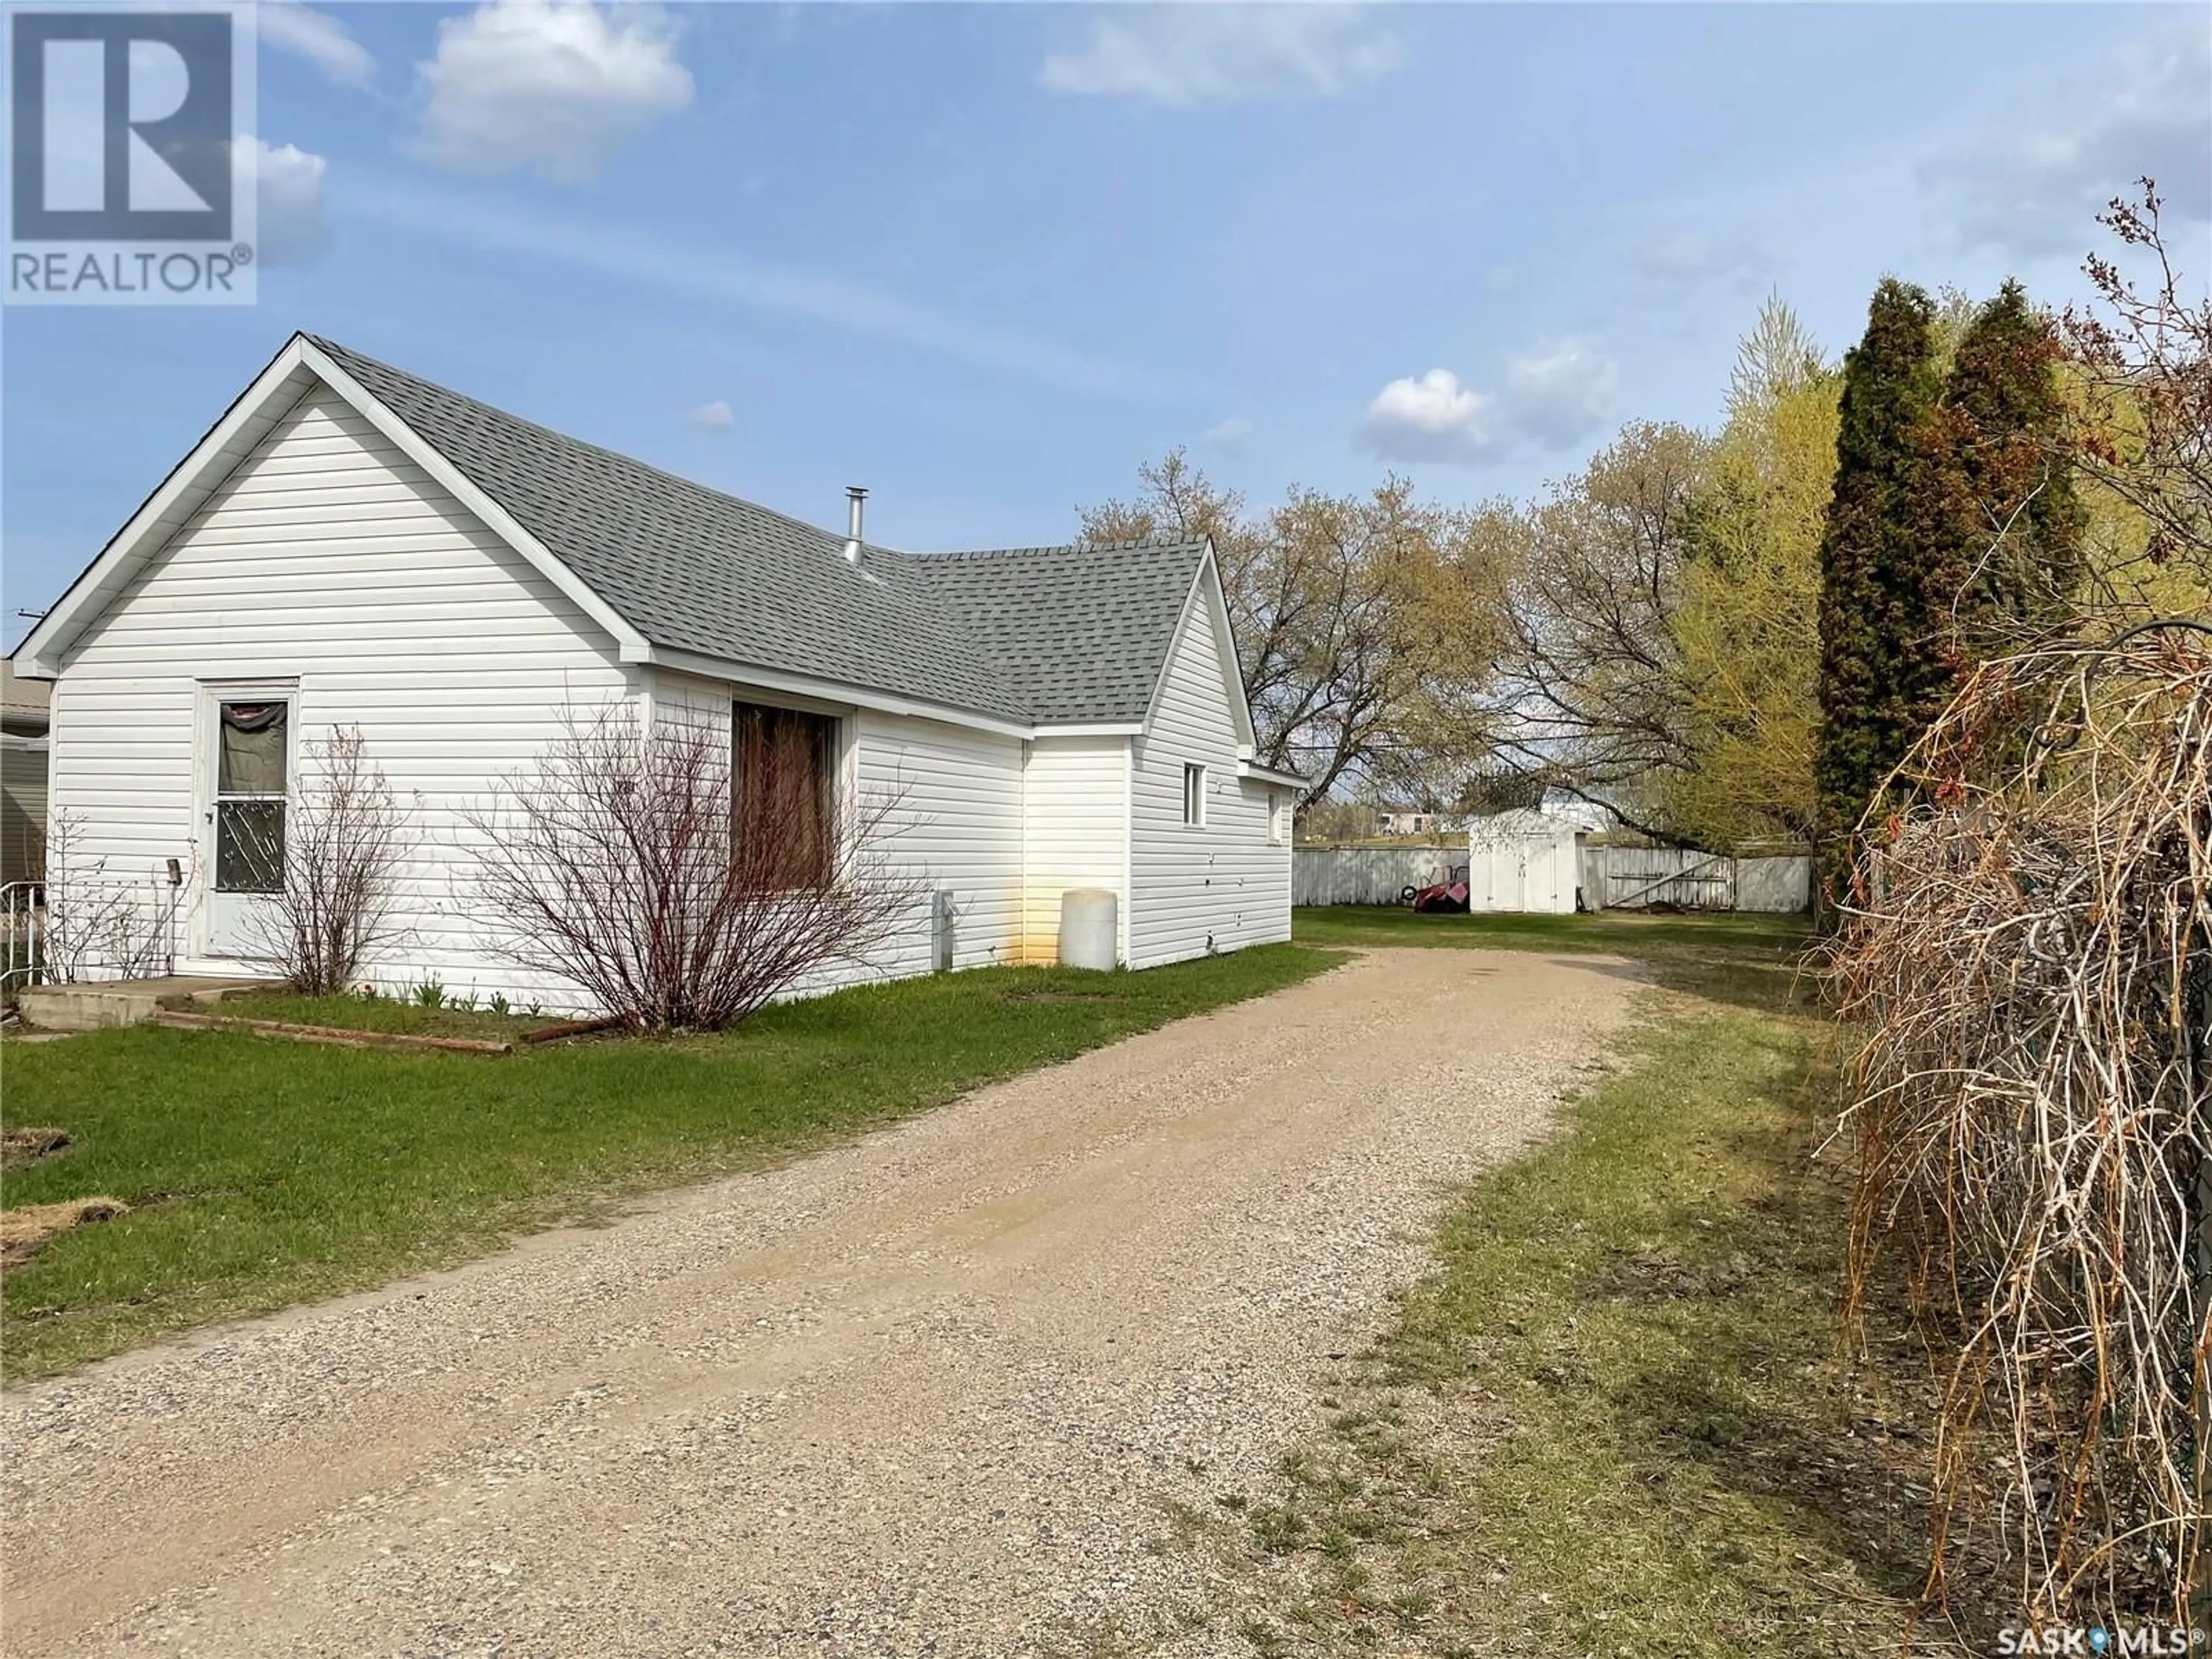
(715, 417)
(1187, 55)
(1553, 395)
(1433, 418)
(1228, 435)
(289, 195)
(2034, 186)
(319, 38)
(552, 85)
(1560, 392)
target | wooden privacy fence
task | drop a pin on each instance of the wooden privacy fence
(1367, 875)
(1637, 878)
(1613, 878)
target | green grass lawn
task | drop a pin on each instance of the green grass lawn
(1626, 932)
(264, 1172)
(1620, 1417)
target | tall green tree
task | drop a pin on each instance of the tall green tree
(1749, 622)
(1875, 626)
(1993, 513)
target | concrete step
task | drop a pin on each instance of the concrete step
(88, 1007)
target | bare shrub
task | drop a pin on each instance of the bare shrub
(678, 889)
(95, 924)
(2144, 353)
(2030, 949)
(345, 838)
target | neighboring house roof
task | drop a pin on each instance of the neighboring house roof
(1549, 819)
(23, 704)
(1069, 634)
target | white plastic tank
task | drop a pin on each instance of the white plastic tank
(1089, 927)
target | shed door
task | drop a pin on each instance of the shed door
(249, 794)
(1497, 874)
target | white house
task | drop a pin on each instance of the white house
(352, 546)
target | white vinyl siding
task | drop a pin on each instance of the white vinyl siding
(1076, 834)
(958, 823)
(330, 559)
(1218, 884)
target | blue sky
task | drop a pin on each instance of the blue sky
(987, 259)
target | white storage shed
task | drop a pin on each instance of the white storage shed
(1526, 860)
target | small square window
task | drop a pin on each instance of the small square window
(1194, 795)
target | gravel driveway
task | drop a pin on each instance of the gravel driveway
(931, 1393)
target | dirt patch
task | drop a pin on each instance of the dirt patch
(22, 1146)
(23, 1231)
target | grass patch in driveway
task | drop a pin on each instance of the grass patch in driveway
(261, 1172)
(1617, 1417)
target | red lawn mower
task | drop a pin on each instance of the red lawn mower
(1446, 898)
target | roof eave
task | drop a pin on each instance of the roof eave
(631, 644)
(1089, 729)
(265, 400)
(708, 666)
(255, 412)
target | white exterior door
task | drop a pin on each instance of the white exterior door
(1553, 867)
(250, 766)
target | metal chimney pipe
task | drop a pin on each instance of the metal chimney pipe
(855, 500)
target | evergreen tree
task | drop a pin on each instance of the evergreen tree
(1993, 513)
(1874, 623)
(1954, 530)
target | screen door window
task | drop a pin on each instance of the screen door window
(253, 751)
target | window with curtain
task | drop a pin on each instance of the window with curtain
(784, 761)
(253, 751)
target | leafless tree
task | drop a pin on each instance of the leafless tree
(93, 924)
(1593, 679)
(1363, 625)
(345, 841)
(2145, 350)
(683, 878)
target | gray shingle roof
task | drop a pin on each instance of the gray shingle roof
(1046, 633)
(1080, 633)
